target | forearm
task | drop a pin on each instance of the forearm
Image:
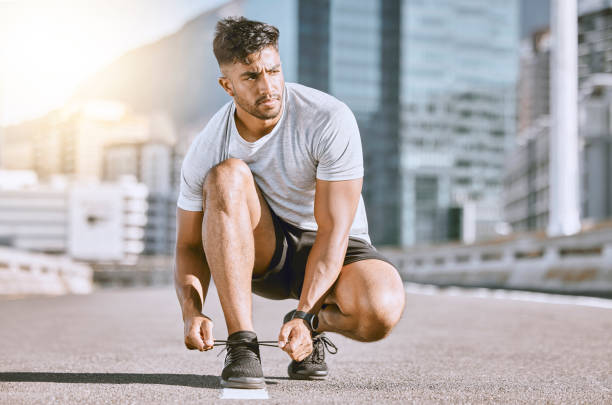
(322, 269)
(191, 280)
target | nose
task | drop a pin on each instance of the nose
(265, 84)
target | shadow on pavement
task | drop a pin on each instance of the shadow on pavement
(186, 380)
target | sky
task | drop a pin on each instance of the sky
(48, 46)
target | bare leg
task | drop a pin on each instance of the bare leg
(366, 302)
(238, 238)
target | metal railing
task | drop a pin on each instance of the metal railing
(580, 263)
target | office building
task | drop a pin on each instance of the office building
(596, 145)
(533, 95)
(526, 182)
(432, 85)
(526, 175)
(594, 47)
(151, 162)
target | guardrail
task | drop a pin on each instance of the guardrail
(25, 273)
(146, 271)
(577, 264)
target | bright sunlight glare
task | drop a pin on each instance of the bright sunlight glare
(49, 46)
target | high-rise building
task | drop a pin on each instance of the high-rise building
(526, 182)
(527, 192)
(432, 85)
(346, 50)
(151, 162)
(596, 136)
(533, 96)
(595, 78)
(526, 179)
(594, 47)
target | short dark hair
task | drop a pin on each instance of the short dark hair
(236, 38)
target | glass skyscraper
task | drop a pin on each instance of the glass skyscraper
(459, 66)
(432, 84)
(351, 49)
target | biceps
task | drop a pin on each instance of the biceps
(189, 228)
(336, 203)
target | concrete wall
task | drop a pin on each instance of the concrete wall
(25, 273)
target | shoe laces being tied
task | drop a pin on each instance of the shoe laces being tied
(243, 348)
(321, 343)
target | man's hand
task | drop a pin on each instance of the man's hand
(295, 339)
(198, 333)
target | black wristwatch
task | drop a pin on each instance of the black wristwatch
(312, 320)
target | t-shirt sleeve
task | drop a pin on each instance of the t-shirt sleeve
(193, 171)
(203, 153)
(190, 191)
(338, 150)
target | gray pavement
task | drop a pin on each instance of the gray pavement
(125, 347)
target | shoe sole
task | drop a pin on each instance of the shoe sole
(244, 382)
(317, 375)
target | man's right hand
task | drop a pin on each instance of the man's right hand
(198, 333)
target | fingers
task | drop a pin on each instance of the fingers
(193, 340)
(283, 336)
(295, 339)
(206, 333)
(198, 334)
(301, 346)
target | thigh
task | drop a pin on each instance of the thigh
(367, 285)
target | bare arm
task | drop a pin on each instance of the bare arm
(191, 279)
(335, 206)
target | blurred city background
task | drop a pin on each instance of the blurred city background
(475, 174)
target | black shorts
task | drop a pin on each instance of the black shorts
(285, 275)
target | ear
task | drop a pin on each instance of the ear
(226, 85)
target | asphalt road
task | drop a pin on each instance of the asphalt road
(125, 347)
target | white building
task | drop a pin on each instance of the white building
(153, 164)
(87, 221)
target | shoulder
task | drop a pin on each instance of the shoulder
(213, 130)
(215, 124)
(318, 106)
(207, 140)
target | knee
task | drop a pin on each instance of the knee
(225, 181)
(230, 172)
(380, 313)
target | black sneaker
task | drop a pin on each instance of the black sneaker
(242, 362)
(313, 367)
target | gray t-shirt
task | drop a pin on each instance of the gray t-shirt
(316, 138)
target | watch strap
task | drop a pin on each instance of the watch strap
(308, 317)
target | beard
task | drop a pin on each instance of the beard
(255, 109)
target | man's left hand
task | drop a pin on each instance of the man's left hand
(295, 339)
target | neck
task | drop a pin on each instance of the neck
(252, 128)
